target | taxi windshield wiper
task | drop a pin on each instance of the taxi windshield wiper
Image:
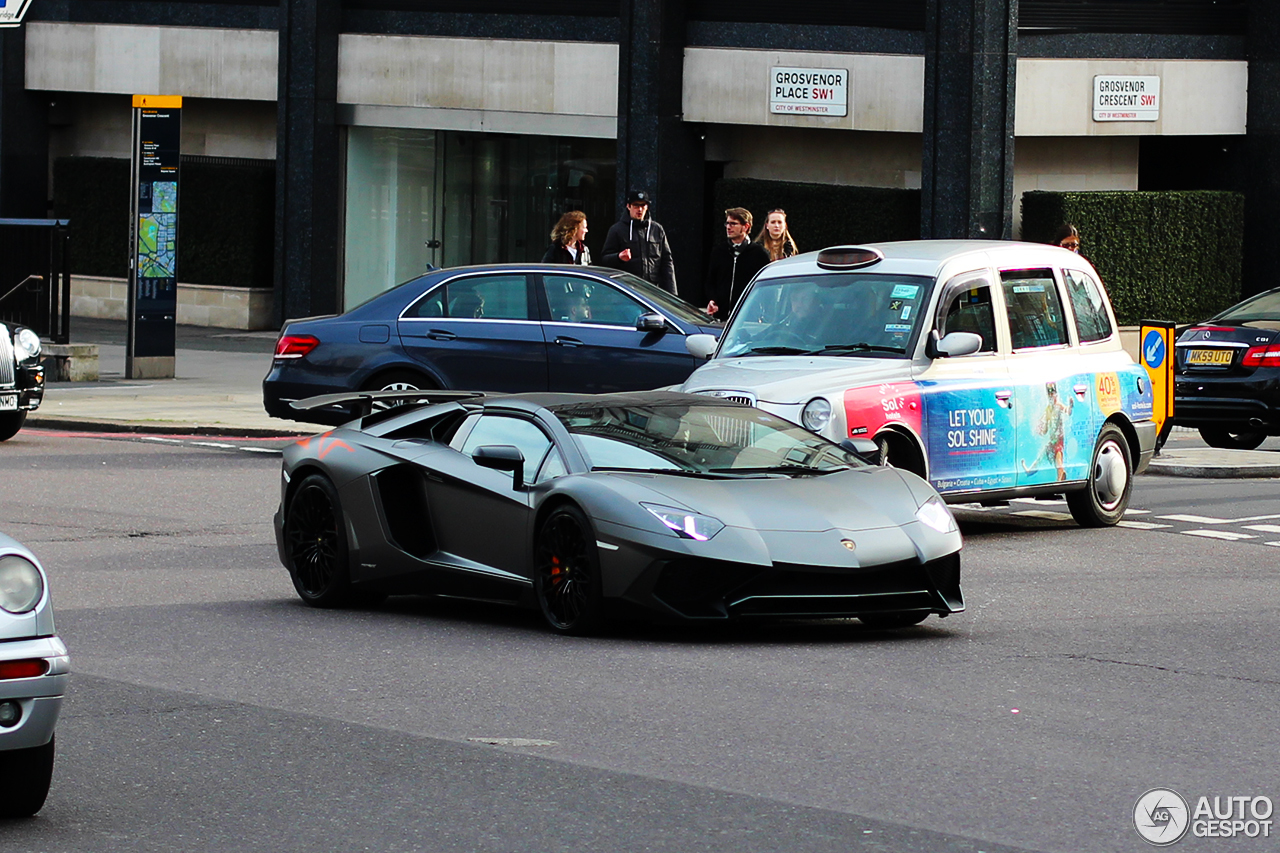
(780, 351)
(862, 346)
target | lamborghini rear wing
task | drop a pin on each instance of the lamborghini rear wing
(362, 403)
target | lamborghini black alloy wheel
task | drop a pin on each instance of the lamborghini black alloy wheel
(567, 573)
(317, 545)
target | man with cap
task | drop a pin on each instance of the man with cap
(638, 245)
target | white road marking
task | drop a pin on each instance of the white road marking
(260, 450)
(1143, 525)
(1258, 518)
(1263, 528)
(513, 741)
(1059, 502)
(210, 444)
(1277, 544)
(158, 438)
(1197, 519)
(1137, 512)
(1219, 534)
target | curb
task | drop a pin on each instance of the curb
(1216, 472)
(212, 430)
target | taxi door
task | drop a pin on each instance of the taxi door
(968, 400)
(1055, 400)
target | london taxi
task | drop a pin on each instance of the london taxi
(991, 369)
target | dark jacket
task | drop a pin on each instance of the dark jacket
(650, 254)
(730, 271)
(558, 254)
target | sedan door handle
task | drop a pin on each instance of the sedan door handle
(441, 335)
(567, 342)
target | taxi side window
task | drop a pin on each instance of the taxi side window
(1036, 318)
(969, 309)
(1089, 306)
(517, 432)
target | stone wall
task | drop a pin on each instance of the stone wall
(198, 304)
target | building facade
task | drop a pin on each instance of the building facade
(414, 132)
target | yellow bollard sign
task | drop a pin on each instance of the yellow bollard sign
(1156, 341)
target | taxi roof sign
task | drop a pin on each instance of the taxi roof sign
(848, 257)
(11, 12)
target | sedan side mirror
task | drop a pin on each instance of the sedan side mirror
(501, 457)
(953, 344)
(864, 448)
(701, 346)
(651, 321)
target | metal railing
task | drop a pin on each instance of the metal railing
(35, 277)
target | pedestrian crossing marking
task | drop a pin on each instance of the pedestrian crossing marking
(1220, 534)
(1197, 519)
(1143, 525)
(1263, 528)
(1045, 514)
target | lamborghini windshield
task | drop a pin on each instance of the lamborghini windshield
(698, 439)
(853, 314)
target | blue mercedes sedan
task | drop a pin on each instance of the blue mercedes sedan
(498, 328)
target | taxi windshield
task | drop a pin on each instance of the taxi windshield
(843, 314)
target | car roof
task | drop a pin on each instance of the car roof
(929, 257)
(535, 400)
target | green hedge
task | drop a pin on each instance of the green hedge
(1163, 255)
(821, 215)
(226, 219)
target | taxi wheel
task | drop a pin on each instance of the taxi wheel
(1218, 437)
(1103, 502)
(901, 452)
(24, 779)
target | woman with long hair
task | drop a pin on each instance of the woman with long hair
(775, 236)
(567, 241)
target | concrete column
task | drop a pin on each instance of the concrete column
(1262, 146)
(24, 134)
(657, 151)
(970, 70)
(308, 218)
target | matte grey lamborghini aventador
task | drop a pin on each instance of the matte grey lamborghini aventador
(675, 505)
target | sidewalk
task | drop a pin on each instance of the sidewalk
(218, 391)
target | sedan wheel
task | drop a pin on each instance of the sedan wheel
(316, 543)
(1218, 437)
(566, 577)
(10, 423)
(24, 780)
(1106, 498)
(399, 380)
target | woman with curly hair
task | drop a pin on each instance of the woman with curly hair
(775, 237)
(567, 246)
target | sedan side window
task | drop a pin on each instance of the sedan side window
(579, 300)
(517, 432)
(487, 297)
(1035, 310)
(1089, 306)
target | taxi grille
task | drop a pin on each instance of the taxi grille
(6, 357)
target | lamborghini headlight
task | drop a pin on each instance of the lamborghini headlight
(685, 524)
(20, 584)
(26, 344)
(935, 514)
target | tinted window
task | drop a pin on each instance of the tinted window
(489, 297)
(969, 309)
(1089, 305)
(676, 306)
(581, 300)
(1035, 310)
(517, 432)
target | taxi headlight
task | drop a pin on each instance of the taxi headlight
(685, 524)
(26, 344)
(935, 514)
(816, 414)
(20, 584)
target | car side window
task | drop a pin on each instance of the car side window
(517, 432)
(1035, 310)
(578, 300)
(482, 297)
(968, 308)
(1089, 305)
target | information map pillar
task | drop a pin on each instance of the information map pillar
(153, 237)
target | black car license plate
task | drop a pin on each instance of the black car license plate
(8, 402)
(1209, 357)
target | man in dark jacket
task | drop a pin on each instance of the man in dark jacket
(639, 245)
(734, 262)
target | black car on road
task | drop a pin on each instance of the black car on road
(1227, 373)
(499, 328)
